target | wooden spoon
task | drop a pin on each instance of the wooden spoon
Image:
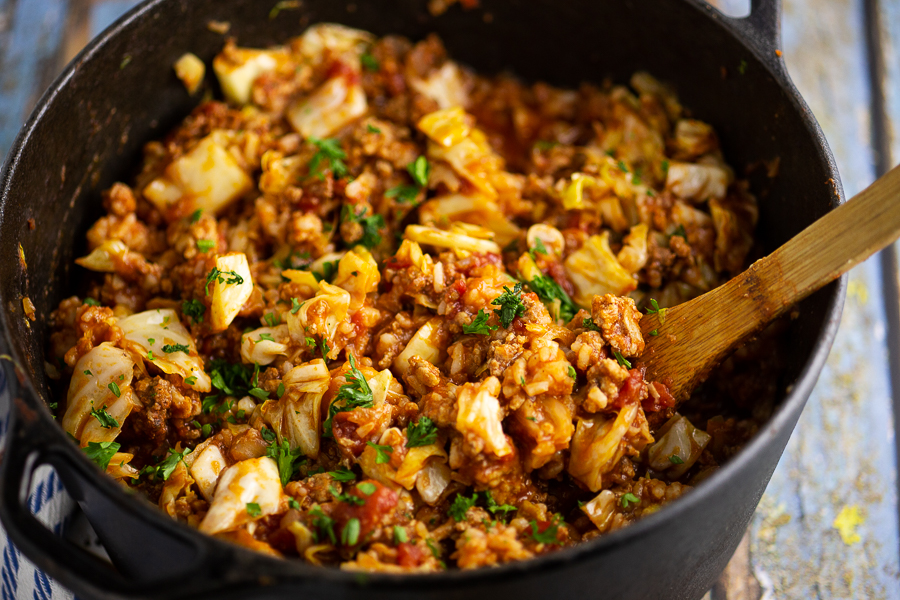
(695, 336)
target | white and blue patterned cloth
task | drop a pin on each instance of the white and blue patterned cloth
(19, 579)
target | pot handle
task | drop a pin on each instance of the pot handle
(762, 29)
(57, 557)
(31, 444)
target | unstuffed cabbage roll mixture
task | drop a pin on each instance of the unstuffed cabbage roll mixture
(375, 310)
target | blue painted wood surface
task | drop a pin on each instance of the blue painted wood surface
(842, 455)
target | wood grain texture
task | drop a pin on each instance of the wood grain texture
(686, 341)
(842, 452)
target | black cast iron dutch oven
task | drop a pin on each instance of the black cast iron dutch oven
(120, 92)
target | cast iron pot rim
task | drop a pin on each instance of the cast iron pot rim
(784, 416)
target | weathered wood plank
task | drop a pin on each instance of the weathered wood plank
(841, 458)
(28, 51)
(105, 12)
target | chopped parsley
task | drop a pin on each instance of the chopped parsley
(479, 324)
(622, 166)
(193, 309)
(271, 319)
(295, 306)
(370, 225)
(549, 291)
(223, 277)
(279, 391)
(680, 232)
(292, 502)
(372, 129)
(676, 460)
(253, 509)
(418, 170)
(329, 269)
(328, 150)
(656, 310)
(461, 506)
(369, 62)
(170, 348)
(366, 487)
(399, 535)
(323, 524)
(588, 323)
(345, 498)
(195, 216)
(621, 359)
(87, 372)
(510, 303)
(266, 337)
(539, 247)
(548, 535)
(190, 380)
(231, 379)
(422, 433)
(629, 498)
(165, 468)
(206, 245)
(356, 393)
(114, 388)
(285, 458)
(91, 302)
(572, 373)
(101, 452)
(106, 420)
(382, 453)
(665, 168)
(495, 508)
(742, 68)
(342, 475)
(350, 532)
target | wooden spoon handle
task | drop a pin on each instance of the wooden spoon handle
(695, 336)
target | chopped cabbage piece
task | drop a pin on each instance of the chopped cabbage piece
(472, 209)
(633, 255)
(445, 86)
(601, 510)
(101, 379)
(329, 109)
(105, 257)
(231, 287)
(237, 69)
(426, 343)
(470, 156)
(433, 479)
(678, 438)
(254, 480)
(328, 40)
(447, 127)
(461, 244)
(358, 274)
(263, 345)
(297, 415)
(158, 336)
(597, 446)
(206, 464)
(207, 176)
(479, 414)
(547, 236)
(190, 70)
(320, 315)
(595, 270)
(698, 182)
